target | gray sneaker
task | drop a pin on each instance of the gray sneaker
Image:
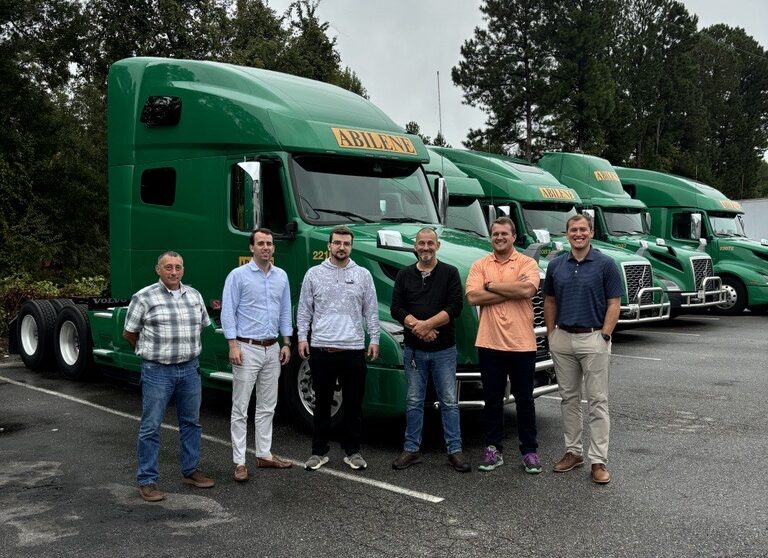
(355, 461)
(492, 458)
(315, 462)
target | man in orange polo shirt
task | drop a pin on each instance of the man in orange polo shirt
(502, 285)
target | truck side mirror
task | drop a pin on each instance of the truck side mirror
(491, 214)
(441, 196)
(696, 225)
(253, 170)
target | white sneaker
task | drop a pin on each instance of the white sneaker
(355, 461)
(315, 462)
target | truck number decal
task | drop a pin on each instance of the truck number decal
(378, 141)
(319, 254)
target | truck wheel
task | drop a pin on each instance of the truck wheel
(72, 343)
(35, 333)
(736, 297)
(300, 395)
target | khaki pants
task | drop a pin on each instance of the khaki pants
(583, 358)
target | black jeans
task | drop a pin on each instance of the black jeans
(349, 368)
(495, 366)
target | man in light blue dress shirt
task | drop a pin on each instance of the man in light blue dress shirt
(255, 308)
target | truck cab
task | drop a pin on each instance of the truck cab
(686, 273)
(540, 206)
(690, 214)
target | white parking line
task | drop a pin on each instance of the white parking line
(637, 357)
(665, 332)
(363, 480)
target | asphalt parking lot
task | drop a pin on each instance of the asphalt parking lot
(689, 423)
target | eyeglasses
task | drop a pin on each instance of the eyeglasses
(345, 244)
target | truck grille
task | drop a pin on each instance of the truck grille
(542, 346)
(702, 267)
(636, 277)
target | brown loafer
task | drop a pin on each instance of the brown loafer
(568, 462)
(241, 473)
(150, 493)
(274, 463)
(600, 474)
(199, 480)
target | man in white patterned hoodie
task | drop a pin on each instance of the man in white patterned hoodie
(338, 299)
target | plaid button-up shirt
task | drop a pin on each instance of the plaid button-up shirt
(169, 327)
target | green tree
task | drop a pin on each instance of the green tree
(733, 80)
(504, 73)
(580, 96)
(654, 73)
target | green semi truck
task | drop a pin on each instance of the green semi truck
(200, 153)
(686, 272)
(466, 213)
(540, 206)
(687, 213)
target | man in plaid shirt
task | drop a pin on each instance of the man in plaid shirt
(163, 324)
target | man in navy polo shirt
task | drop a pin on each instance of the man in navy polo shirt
(582, 302)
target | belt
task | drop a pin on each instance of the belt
(577, 329)
(261, 342)
(329, 349)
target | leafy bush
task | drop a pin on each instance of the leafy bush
(14, 290)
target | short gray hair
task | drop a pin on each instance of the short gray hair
(170, 254)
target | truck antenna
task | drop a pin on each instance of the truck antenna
(439, 106)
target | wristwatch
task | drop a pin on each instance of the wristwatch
(606, 337)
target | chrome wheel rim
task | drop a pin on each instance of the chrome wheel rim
(69, 343)
(28, 334)
(307, 391)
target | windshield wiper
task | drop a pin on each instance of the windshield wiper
(344, 213)
(471, 231)
(402, 220)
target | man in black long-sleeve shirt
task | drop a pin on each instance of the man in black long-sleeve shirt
(427, 299)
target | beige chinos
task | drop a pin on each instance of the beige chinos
(583, 358)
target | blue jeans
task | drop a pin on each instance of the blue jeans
(441, 365)
(159, 383)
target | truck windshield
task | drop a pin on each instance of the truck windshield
(548, 217)
(625, 222)
(332, 190)
(726, 225)
(466, 215)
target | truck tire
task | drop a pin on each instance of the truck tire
(736, 299)
(36, 321)
(72, 344)
(59, 303)
(300, 395)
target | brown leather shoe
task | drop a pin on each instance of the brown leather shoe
(568, 462)
(406, 459)
(600, 474)
(150, 493)
(274, 463)
(241, 473)
(459, 462)
(199, 480)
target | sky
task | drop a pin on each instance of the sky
(397, 48)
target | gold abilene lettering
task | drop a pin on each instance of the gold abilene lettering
(606, 175)
(378, 141)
